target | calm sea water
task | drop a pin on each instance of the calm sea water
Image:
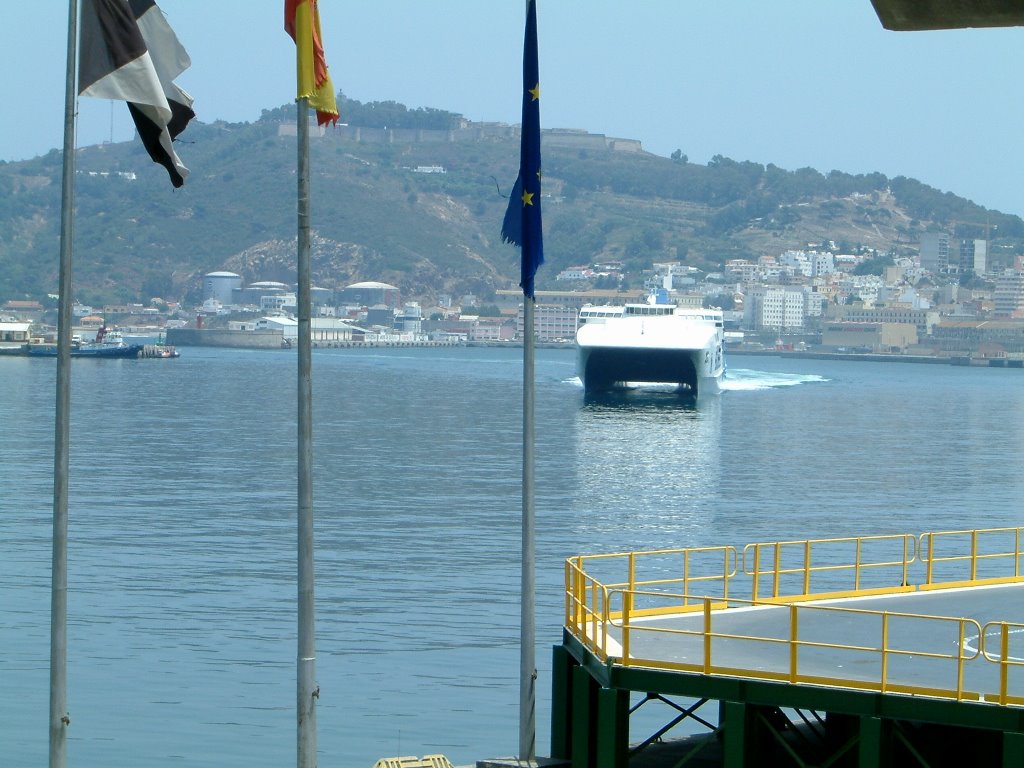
(181, 647)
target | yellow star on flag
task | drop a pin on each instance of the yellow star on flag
(527, 198)
(535, 91)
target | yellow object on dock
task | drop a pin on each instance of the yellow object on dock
(427, 761)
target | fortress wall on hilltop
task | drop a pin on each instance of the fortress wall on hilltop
(574, 139)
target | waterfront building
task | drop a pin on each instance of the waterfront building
(288, 326)
(988, 337)
(328, 330)
(14, 333)
(551, 323)
(877, 337)
(491, 329)
(924, 320)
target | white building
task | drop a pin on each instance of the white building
(551, 323)
(575, 273)
(1008, 296)
(288, 326)
(275, 302)
(867, 287)
(774, 308)
(14, 333)
(324, 330)
(742, 270)
(822, 263)
(814, 303)
(798, 261)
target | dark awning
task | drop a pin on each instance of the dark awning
(909, 15)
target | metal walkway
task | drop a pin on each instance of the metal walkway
(856, 651)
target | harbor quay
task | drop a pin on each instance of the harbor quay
(857, 651)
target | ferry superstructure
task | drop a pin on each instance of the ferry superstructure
(651, 343)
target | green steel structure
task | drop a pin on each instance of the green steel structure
(897, 650)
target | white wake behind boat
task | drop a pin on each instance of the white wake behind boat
(652, 343)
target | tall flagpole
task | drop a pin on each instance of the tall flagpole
(307, 691)
(527, 621)
(314, 89)
(59, 719)
(522, 227)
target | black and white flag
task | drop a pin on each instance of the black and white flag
(128, 52)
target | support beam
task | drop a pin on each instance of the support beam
(584, 711)
(1013, 749)
(612, 728)
(875, 747)
(563, 667)
(738, 727)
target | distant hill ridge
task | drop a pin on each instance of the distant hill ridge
(376, 218)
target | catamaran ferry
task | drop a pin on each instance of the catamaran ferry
(652, 343)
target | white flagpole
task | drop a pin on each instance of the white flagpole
(307, 691)
(59, 719)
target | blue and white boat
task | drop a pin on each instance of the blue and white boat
(107, 344)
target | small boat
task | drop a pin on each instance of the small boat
(653, 343)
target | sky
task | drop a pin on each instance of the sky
(797, 83)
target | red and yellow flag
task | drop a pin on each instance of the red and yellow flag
(302, 22)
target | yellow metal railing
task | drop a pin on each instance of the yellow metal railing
(797, 642)
(984, 556)
(1008, 658)
(683, 572)
(853, 565)
(609, 600)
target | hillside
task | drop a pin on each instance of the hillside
(376, 218)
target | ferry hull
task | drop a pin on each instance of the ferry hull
(50, 350)
(609, 368)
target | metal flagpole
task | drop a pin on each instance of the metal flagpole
(529, 239)
(59, 719)
(307, 691)
(527, 628)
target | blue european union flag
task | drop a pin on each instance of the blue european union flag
(522, 224)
